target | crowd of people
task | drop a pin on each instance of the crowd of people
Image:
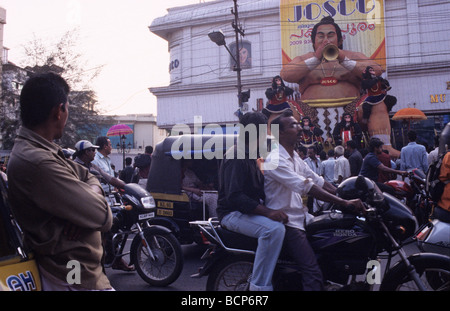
(346, 159)
(270, 206)
(61, 203)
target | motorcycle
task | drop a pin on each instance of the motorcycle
(413, 194)
(346, 246)
(154, 251)
(434, 234)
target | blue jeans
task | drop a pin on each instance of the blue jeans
(270, 235)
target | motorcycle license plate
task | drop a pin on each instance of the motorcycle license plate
(146, 216)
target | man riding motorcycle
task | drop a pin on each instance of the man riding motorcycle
(284, 185)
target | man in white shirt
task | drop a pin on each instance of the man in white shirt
(286, 179)
(341, 165)
(316, 166)
(313, 162)
(434, 155)
(328, 167)
(413, 155)
(102, 159)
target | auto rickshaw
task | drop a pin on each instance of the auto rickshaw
(175, 208)
(18, 269)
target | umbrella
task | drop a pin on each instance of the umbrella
(119, 130)
(409, 114)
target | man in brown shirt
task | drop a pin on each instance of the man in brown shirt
(59, 205)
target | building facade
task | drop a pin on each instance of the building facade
(145, 133)
(203, 83)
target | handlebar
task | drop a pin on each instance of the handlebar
(416, 178)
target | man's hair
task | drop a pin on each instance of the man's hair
(256, 118)
(313, 148)
(149, 149)
(323, 155)
(301, 148)
(285, 114)
(351, 144)
(128, 161)
(328, 20)
(374, 143)
(339, 150)
(412, 135)
(40, 94)
(101, 142)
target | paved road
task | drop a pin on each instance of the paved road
(131, 281)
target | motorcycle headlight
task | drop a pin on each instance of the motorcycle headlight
(148, 202)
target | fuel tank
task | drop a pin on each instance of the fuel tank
(343, 244)
(398, 218)
(338, 232)
(401, 188)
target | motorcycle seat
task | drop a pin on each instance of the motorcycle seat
(236, 240)
(331, 220)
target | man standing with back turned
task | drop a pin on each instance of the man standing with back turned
(59, 205)
(413, 155)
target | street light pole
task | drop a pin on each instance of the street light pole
(121, 147)
(219, 38)
(238, 59)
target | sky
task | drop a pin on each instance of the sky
(112, 33)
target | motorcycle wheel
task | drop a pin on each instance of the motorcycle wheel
(434, 273)
(231, 274)
(168, 262)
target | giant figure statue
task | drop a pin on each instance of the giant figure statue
(374, 110)
(278, 102)
(330, 77)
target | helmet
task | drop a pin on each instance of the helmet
(355, 188)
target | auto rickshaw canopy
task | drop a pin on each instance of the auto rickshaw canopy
(165, 170)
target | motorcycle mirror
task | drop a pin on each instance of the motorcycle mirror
(377, 195)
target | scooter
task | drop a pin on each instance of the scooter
(434, 234)
(346, 246)
(154, 251)
(434, 237)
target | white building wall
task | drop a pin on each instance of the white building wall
(204, 84)
(417, 36)
(145, 133)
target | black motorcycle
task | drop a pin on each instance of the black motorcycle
(346, 246)
(154, 251)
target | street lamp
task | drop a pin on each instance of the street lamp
(219, 38)
(121, 147)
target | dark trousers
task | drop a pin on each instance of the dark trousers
(441, 214)
(299, 249)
